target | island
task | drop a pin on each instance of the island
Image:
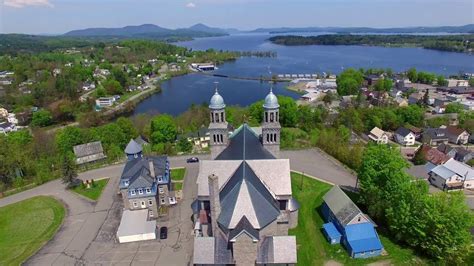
(452, 43)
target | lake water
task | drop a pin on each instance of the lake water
(180, 92)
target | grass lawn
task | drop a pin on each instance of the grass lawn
(92, 193)
(177, 185)
(26, 226)
(177, 174)
(314, 249)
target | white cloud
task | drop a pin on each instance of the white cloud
(190, 5)
(24, 3)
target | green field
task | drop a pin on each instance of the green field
(314, 249)
(26, 226)
(177, 186)
(94, 192)
(177, 174)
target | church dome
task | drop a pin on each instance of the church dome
(217, 102)
(271, 101)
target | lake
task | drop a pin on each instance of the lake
(180, 92)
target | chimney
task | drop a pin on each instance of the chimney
(214, 201)
(152, 169)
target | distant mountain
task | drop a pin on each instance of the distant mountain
(445, 29)
(146, 31)
(204, 28)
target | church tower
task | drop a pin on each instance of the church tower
(271, 124)
(218, 130)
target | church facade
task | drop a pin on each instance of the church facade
(244, 207)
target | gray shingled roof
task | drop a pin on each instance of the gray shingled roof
(341, 205)
(277, 250)
(402, 131)
(141, 179)
(244, 226)
(89, 152)
(133, 147)
(244, 144)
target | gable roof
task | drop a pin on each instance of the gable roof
(460, 169)
(133, 147)
(377, 132)
(445, 148)
(402, 131)
(434, 155)
(435, 133)
(454, 131)
(138, 170)
(277, 250)
(341, 205)
(244, 144)
(362, 237)
(87, 149)
(244, 226)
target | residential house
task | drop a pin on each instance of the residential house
(457, 135)
(440, 105)
(468, 105)
(435, 136)
(145, 183)
(414, 98)
(87, 86)
(89, 153)
(433, 155)
(346, 222)
(463, 155)
(379, 136)
(244, 205)
(457, 83)
(105, 102)
(6, 127)
(452, 175)
(416, 130)
(404, 136)
(448, 150)
(462, 90)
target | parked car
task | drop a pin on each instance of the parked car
(192, 160)
(164, 232)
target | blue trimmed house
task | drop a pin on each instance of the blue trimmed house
(145, 182)
(346, 224)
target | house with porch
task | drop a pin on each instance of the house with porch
(457, 135)
(435, 136)
(452, 175)
(346, 224)
(378, 136)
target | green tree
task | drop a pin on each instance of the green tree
(420, 157)
(41, 118)
(349, 82)
(454, 108)
(442, 81)
(163, 129)
(328, 98)
(127, 127)
(471, 82)
(68, 169)
(69, 137)
(412, 75)
(112, 87)
(383, 84)
(288, 111)
(184, 145)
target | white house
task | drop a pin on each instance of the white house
(404, 137)
(468, 105)
(452, 175)
(457, 83)
(378, 135)
(105, 102)
(6, 127)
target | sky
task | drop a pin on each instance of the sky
(60, 16)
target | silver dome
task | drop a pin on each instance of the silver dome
(271, 101)
(217, 102)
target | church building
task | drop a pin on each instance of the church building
(244, 207)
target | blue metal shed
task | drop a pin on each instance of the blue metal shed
(362, 240)
(331, 233)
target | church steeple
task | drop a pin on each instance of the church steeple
(218, 129)
(271, 124)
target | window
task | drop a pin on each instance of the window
(162, 201)
(150, 202)
(217, 118)
(150, 213)
(135, 155)
(214, 137)
(272, 117)
(148, 190)
(140, 191)
(135, 204)
(143, 204)
(266, 117)
(268, 138)
(222, 116)
(126, 183)
(161, 190)
(132, 192)
(358, 219)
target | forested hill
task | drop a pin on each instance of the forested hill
(452, 43)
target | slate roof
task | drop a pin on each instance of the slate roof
(133, 147)
(141, 179)
(244, 226)
(136, 169)
(341, 205)
(445, 148)
(204, 248)
(403, 131)
(434, 156)
(244, 144)
(277, 249)
(454, 131)
(436, 133)
(89, 152)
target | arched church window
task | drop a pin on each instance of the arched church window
(272, 117)
(217, 118)
(222, 117)
(214, 137)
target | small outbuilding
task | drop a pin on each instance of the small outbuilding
(331, 233)
(89, 153)
(135, 226)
